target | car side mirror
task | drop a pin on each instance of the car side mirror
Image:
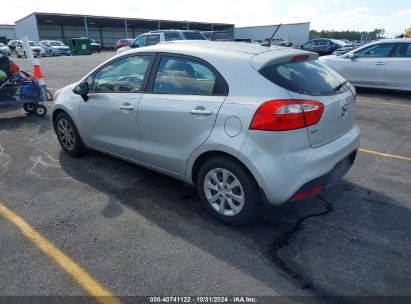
(82, 89)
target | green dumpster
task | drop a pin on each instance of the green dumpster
(80, 46)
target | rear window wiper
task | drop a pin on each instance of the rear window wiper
(340, 85)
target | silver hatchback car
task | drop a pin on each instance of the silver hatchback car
(247, 124)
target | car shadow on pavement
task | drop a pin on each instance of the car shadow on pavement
(350, 240)
(387, 95)
(9, 121)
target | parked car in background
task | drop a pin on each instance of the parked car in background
(123, 42)
(12, 44)
(95, 46)
(381, 64)
(55, 48)
(217, 35)
(4, 49)
(247, 124)
(37, 50)
(323, 46)
(279, 42)
(155, 37)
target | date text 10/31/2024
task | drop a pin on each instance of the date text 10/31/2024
(203, 299)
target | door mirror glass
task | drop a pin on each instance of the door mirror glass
(82, 89)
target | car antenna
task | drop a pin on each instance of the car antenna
(269, 41)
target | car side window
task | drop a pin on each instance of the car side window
(324, 43)
(403, 50)
(378, 50)
(122, 76)
(184, 76)
(140, 41)
(152, 39)
(170, 36)
(310, 44)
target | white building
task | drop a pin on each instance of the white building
(296, 32)
(106, 30)
(6, 33)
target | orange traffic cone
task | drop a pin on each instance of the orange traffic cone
(37, 72)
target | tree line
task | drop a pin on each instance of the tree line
(350, 35)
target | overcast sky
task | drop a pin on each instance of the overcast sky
(362, 15)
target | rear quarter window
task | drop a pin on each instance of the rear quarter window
(308, 78)
(171, 36)
(193, 36)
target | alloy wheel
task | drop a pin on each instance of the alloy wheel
(66, 134)
(224, 192)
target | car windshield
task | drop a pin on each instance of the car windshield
(32, 43)
(193, 36)
(307, 77)
(56, 43)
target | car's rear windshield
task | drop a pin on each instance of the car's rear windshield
(193, 36)
(307, 77)
(56, 43)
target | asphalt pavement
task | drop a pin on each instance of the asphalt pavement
(138, 232)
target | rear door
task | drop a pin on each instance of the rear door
(323, 47)
(398, 68)
(310, 46)
(368, 66)
(109, 117)
(178, 112)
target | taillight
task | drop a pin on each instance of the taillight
(289, 114)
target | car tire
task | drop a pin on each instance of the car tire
(68, 135)
(233, 206)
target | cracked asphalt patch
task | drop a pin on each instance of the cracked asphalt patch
(141, 233)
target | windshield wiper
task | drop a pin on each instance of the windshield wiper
(338, 87)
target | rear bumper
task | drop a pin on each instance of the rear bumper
(327, 180)
(284, 166)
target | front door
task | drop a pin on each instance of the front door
(368, 66)
(109, 117)
(178, 113)
(398, 68)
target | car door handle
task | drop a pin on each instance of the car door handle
(379, 63)
(201, 111)
(127, 107)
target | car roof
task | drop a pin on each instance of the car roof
(210, 47)
(395, 40)
(164, 31)
(222, 53)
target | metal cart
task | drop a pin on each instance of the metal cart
(22, 89)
